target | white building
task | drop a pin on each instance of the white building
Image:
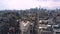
(24, 26)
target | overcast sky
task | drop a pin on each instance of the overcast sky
(26, 4)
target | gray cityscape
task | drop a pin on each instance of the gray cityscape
(32, 21)
(29, 16)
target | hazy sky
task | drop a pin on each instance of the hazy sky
(26, 4)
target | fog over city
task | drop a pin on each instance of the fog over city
(27, 4)
(29, 16)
